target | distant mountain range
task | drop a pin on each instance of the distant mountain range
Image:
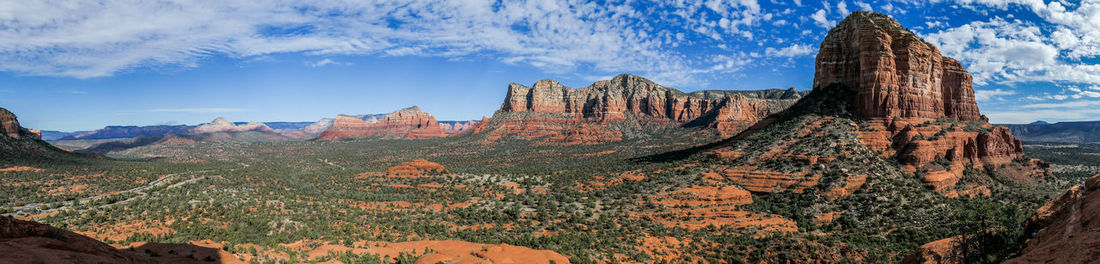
(1061, 132)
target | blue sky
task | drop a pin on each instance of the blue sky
(79, 65)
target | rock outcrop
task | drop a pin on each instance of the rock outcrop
(31, 242)
(919, 104)
(1066, 229)
(21, 144)
(9, 125)
(892, 72)
(408, 123)
(222, 125)
(610, 110)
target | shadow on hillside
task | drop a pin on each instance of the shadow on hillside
(185, 253)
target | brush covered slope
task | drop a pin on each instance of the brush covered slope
(885, 154)
(624, 107)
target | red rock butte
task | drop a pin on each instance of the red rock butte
(893, 72)
(9, 126)
(560, 114)
(920, 104)
(408, 123)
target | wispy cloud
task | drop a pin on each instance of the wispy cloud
(324, 62)
(790, 51)
(1011, 51)
(93, 39)
(988, 95)
(195, 110)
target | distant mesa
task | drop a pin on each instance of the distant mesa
(623, 107)
(220, 124)
(1061, 132)
(407, 123)
(120, 132)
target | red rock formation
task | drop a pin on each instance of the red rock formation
(918, 103)
(936, 252)
(9, 126)
(586, 115)
(31, 242)
(408, 123)
(893, 72)
(1067, 229)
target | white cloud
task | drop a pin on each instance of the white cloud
(1054, 49)
(1072, 104)
(988, 95)
(999, 51)
(864, 6)
(819, 18)
(87, 39)
(196, 110)
(324, 62)
(790, 51)
(842, 7)
(1023, 117)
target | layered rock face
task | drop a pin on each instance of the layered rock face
(918, 104)
(893, 72)
(1066, 229)
(408, 123)
(602, 111)
(9, 125)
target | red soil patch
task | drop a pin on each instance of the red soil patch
(21, 168)
(708, 195)
(79, 188)
(826, 218)
(189, 253)
(122, 231)
(449, 251)
(700, 218)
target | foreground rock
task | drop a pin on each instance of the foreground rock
(1067, 229)
(31, 242)
(623, 107)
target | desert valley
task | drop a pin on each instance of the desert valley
(887, 159)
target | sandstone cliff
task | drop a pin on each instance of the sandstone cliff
(408, 123)
(18, 144)
(1066, 229)
(917, 103)
(610, 110)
